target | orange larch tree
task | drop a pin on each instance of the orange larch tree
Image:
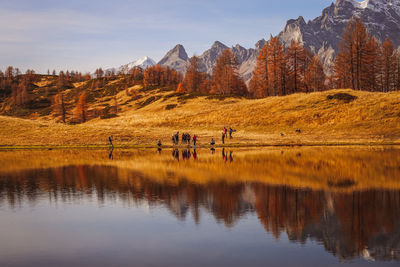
(297, 66)
(258, 86)
(193, 78)
(315, 75)
(275, 75)
(388, 65)
(225, 79)
(81, 108)
(59, 106)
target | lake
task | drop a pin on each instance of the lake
(293, 206)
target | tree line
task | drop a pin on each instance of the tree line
(278, 71)
(363, 63)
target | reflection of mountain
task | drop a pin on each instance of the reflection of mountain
(357, 224)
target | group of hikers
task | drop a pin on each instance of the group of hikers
(225, 134)
(186, 139)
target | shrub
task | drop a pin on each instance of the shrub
(342, 97)
(171, 106)
(108, 116)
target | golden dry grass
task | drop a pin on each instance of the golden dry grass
(373, 118)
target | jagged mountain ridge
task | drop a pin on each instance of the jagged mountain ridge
(321, 35)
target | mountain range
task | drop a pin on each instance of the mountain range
(321, 35)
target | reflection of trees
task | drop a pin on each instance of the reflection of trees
(345, 223)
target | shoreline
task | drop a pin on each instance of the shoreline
(234, 145)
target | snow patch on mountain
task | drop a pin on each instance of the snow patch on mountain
(143, 63)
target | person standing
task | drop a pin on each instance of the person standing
(223, 138)
(110, 139)
(194, 140)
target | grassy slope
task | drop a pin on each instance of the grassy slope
(372, 117)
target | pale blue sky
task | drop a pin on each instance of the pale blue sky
(85, 34)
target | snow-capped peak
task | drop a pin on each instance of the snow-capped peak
(143, 63)
(378, 5)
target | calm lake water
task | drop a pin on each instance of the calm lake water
(231, 207)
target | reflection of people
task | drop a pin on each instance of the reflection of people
(186, 154)
(230, 156)
(224, 155)
(159, 150)
(175, 154)
(212, 150)
(110, 153)
(194, 154)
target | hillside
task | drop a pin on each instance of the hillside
(145, 115)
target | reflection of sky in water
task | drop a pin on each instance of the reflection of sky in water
(85, 216)
(86, 234)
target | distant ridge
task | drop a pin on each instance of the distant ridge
(321, 35)
(143, 63)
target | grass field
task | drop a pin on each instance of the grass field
(323, 118)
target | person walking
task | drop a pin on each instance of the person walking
(223, 138)
(110, 139)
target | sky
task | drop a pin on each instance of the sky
(86, 34)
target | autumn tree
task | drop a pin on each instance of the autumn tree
(351, 65)
(225, 78)
(373, 65)
(276, 70)
(136, 75)
(161, 76)
(388, 65)
(297, 66)
(259, 83)
(180, 89)
(193, 80)
(397, 67)
(315, 75)
(99, 73)
(59, 106)
(61, 82)
(81, 108)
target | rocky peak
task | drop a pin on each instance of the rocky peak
(260, 44)
(217, 45)
(176, 58)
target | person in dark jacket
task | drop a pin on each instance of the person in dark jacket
(223, 138)
(110, 139)
(194, 140)
(212, 142)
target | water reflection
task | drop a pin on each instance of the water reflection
(347, 224)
